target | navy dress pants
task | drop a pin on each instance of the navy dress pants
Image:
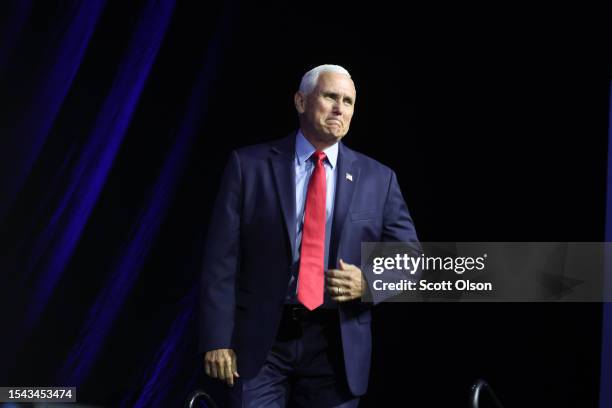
(304, 368)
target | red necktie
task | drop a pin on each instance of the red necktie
(310, 277)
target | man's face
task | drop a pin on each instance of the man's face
(327, 111)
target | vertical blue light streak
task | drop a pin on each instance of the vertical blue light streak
(166, 363)
(56, 243)
(108, 304)
(27, 133)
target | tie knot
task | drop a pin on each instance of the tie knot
(318, 156)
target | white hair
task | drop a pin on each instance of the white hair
(309, 80)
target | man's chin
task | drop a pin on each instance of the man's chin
(338, 136)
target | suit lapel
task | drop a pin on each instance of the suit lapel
(347, 179)
(282, 162)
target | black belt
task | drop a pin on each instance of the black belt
(298, 313)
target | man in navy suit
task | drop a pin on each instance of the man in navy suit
(282, 321)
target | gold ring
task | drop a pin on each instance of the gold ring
(337, 290)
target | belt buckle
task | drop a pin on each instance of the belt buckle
(297, 313)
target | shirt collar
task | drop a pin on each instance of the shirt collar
(303, 150)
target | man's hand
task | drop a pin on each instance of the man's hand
(346, 283)
(221, 364)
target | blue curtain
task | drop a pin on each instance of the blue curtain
(93, 164)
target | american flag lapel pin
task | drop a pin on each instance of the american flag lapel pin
(349, 176)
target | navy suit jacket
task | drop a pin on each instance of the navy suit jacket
(248, 255)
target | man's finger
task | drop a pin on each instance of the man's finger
(337, 293)
(207, 368)
(338, 274)
(341, 298)
(338, 289)
(221, 368)
(213, 370)
(229, 372)
(337, 282)
(346, 280)
(345, 265)
(235, 366)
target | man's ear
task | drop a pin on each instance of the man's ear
(300, 102)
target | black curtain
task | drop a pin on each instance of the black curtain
(117, 118)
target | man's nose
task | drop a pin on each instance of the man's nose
(338, 108)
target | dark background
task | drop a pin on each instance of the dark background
(495, 121)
